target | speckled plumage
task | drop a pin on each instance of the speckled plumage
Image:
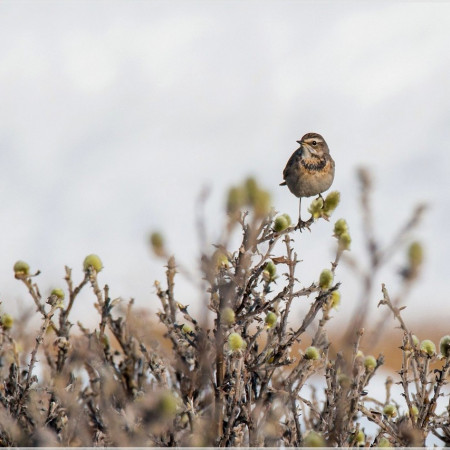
(310, 169)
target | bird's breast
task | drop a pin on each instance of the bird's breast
(314, 164)
(312, 176)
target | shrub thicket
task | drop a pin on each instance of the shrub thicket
(251, 376)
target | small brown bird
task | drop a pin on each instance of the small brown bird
(310, 169)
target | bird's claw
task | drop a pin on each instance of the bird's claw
(302, 224)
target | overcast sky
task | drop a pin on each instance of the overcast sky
(114, 115)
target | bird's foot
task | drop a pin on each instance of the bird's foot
(302, 224)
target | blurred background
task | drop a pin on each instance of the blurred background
(115, 115)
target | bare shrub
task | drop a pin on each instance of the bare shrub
(244, 378)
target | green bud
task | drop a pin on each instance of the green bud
(325, 279)
(340, 227)
(315, 208)
(383, 442)
(187, 329)
(271, 319)
(444, 346)
(312, 353)
(414, 410)
(94, 261)
(390, 411)
(220, 259)
(262, 203)
(427, 346)
(415, 340)
(280, 223)
(228, 316)
(59, 293)
(370, 363)
(21, 268)
(335, 299)
(235, 200)
(167, 404)
(251, 190)
(345, 240)
(157, 243)
(270, 271)
(360, 437)
(331, 202)
(270, 357)
(235, 342)
(288, 218)
(271, 268)
(415, 254)
(313, 439)
(7, 321)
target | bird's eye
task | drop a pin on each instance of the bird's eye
(314, 143)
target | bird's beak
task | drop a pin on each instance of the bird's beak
(299, 142)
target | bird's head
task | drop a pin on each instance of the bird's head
(313, 145)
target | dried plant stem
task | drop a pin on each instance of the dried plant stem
(29, 378)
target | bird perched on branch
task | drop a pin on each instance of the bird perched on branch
(310, 170)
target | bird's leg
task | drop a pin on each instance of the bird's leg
(301, 224)
(299, 210)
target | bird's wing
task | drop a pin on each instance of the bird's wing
(291, 164)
